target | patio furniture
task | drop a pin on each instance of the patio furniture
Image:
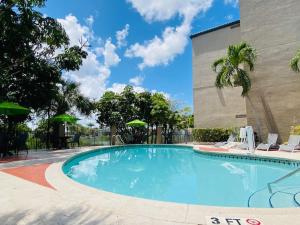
(293, 144)
(3, 144)
(75, 140)
(231, 139)
(20, 143)
(272, 142)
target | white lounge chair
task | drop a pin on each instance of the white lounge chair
(293, 144)
(272, 142)
(231, 139)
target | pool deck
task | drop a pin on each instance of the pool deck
(35, 191)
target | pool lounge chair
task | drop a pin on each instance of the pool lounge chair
(231, 139)
(272, 142)
(293, 144)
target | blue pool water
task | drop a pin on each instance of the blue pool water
(178, 174)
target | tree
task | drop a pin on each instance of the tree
(108, 110)
(115, 110)
(231, 73)
(294, 63)
(160, 111)
(68, 98)
(144, 105)
(229, 69)
(30, 67)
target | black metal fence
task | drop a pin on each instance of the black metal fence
(99, 138)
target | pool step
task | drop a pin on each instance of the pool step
(283, 198)
(259, 199)
(297, 198)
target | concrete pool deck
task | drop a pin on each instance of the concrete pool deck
(25, 201)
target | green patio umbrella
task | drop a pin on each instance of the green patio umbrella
(65, 118)
(136, 123)
(12, 109)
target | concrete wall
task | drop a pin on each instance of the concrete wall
(273, 28)
(213, 107)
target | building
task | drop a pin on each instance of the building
(273, 28)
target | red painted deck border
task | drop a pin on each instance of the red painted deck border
(34, 174)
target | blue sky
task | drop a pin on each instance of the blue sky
(154, 50)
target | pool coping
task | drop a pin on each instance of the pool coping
(165, 211)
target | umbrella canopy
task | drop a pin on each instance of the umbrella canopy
(65, 118)
(12, 109)
(136, 123)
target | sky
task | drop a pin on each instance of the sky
(144, 43)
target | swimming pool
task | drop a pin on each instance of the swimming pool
(179, 174)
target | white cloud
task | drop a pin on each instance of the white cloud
(167, 95)
(90, 21)
(93, 74)
(75, 30)
(162, 50)
(234, 3)
(111, 58)
(137, 81)
(118, 88)
(154, 10)
(121, 36)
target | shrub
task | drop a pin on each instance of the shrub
(212, 134)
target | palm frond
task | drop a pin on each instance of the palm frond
(217, 63)
(248, 55)
(243, 80)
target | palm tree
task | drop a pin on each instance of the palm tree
(231, 73)
(229, 69)
(294, 64)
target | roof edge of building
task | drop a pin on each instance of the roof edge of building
(215, 28)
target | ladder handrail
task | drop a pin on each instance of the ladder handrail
(282, 178)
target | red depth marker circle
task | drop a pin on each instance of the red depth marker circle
(253, 222)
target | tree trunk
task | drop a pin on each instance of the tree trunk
(148, 132)
(113, 132)
(48, 129)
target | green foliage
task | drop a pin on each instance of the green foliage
(295, 130)
(30, 69)
(161, 111)
(212, 134)
(229, 68)
(118, 109)
(67, 97)
(108, 109)
(294, 63)
(22, 127)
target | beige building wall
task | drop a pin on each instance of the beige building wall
(273, 28)
(215, 108)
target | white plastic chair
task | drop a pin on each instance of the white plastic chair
(293, 144)
(272, 141)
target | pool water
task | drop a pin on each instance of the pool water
(175, 174)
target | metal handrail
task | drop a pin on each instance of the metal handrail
(282, 178)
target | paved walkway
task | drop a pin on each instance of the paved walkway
(24, 201)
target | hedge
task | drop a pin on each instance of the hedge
(212, 134)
